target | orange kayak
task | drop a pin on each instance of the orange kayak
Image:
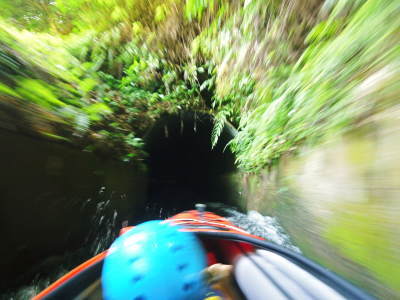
(262, 270)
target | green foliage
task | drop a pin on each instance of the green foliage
(284, 96)
(97, 110)
(38, 92)
(220, 120)
(284, 75)
(196, 8)
(93, 73)
(28, 14)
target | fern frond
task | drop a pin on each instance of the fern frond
(219, 124)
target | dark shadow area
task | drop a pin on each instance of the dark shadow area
(183, 168)
(55, 200)
(59, 206)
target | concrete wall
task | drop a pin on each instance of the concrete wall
(340, 202)
(54, 198)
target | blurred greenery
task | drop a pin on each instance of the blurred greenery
(284, 73)
(366, 241)
(89, 79)
(302, 76)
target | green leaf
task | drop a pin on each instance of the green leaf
(7, 90)
(87, 85)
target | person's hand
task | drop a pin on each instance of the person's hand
(219, 277)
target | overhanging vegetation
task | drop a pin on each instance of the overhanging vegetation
(284, 73)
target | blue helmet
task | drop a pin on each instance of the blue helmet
(154, 260)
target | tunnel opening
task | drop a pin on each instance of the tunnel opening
(183, 167)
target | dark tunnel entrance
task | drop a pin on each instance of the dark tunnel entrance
(184, 169)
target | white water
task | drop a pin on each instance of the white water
(263, 226)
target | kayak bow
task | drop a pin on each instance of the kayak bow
(262, 270)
